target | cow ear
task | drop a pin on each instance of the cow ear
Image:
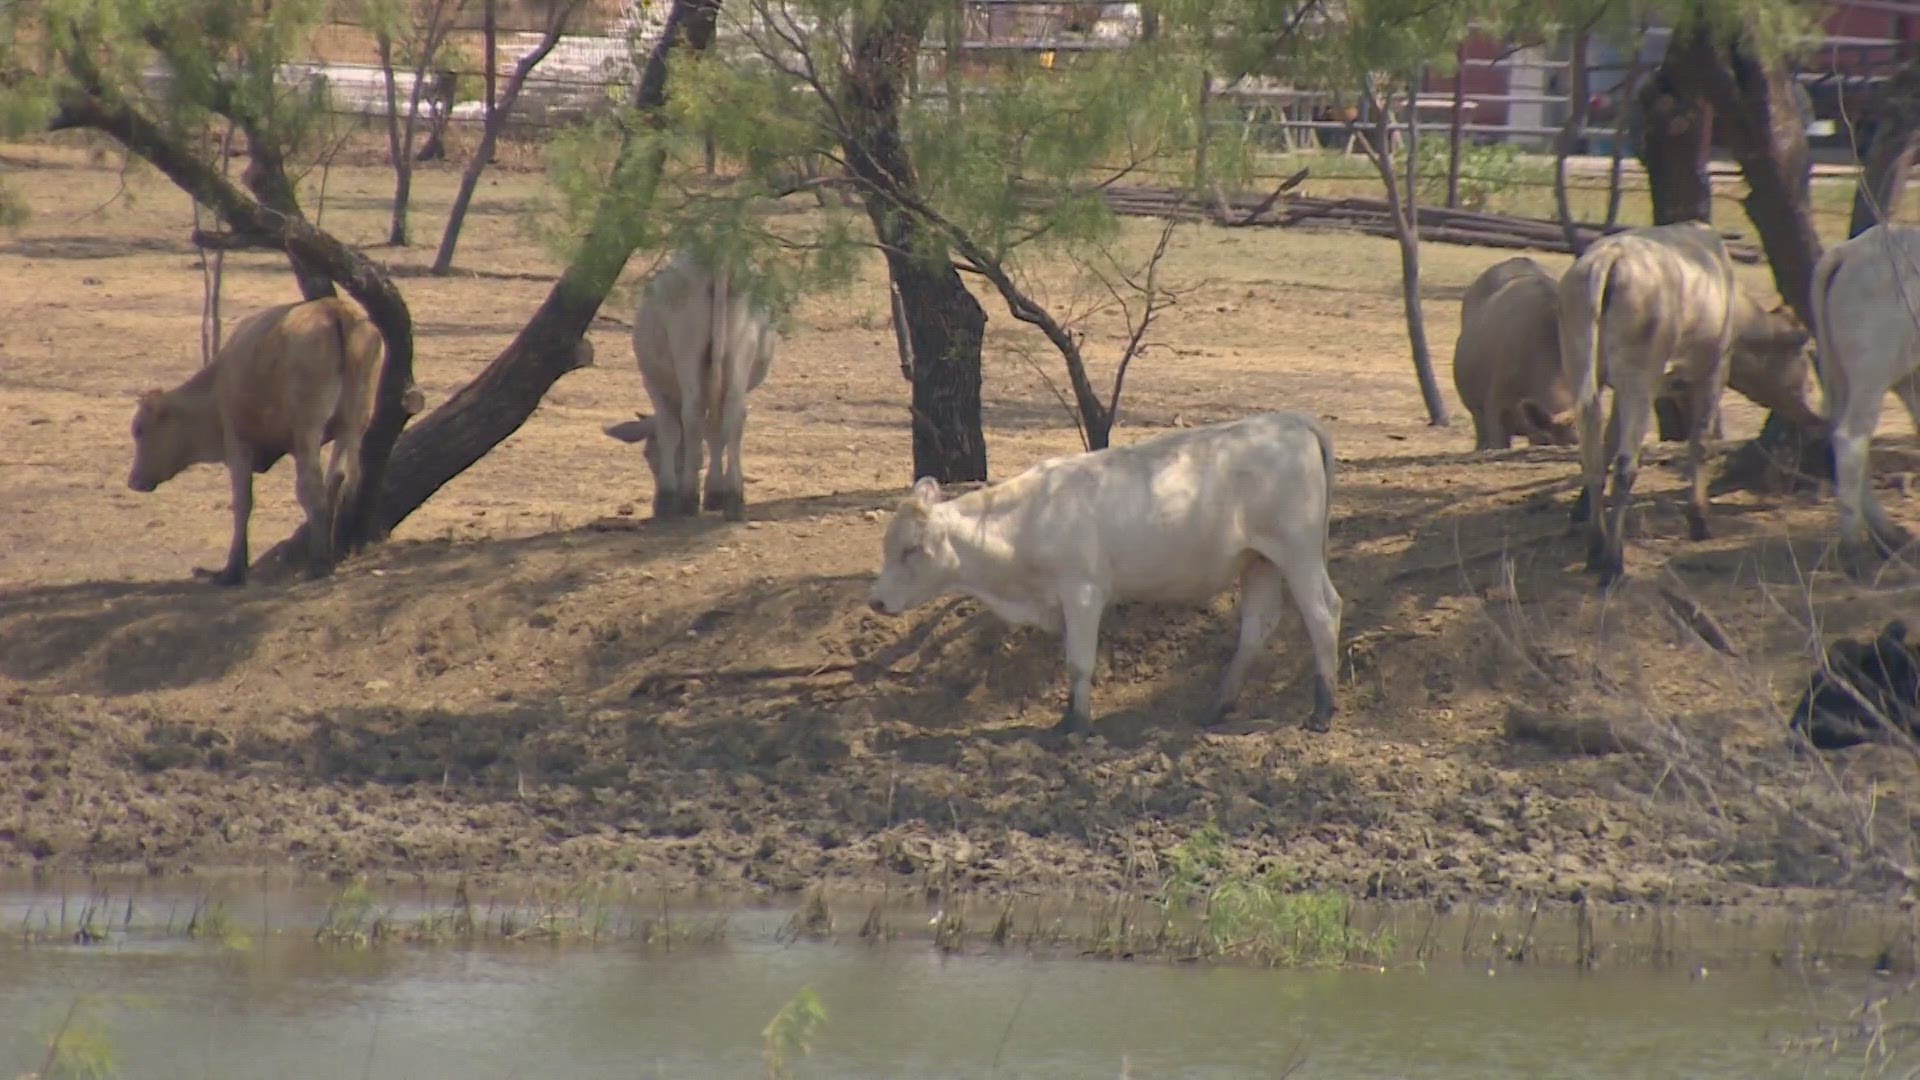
(926, 491)
(631, 431)
(1534, 414)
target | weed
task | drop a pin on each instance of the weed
(1259, 914)
(791, 1031)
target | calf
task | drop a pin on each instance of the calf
(1862, 692)
(702, 345)
(1633, 305)
(1506, 364)
(1177, 517)
(288, 380)
(1866, 293)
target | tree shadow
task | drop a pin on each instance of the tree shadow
(91, 248)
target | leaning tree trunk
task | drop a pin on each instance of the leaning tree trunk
(318, 253)
(266, 176)
(492, 407)
(945, 324)
(1764, 116)
(1896, 137)
(1403, 199)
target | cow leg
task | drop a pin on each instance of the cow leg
(343, 483)
(1483, 425)
(1589, 491)
(240, 474)
(1632, 415)
(1080, 610)
(1703, 408)
(726, 481)
(310, 487)
(1301, 556)
(671, 448)
(693, 424)
(1261, 589)
(1860, 514)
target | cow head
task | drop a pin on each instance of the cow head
(643, 431)
(917, 558)
(1547, 429)
(1772, 360)
(1860, 685)
(163, 442)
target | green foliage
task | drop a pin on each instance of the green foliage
(216, 58)
(1261, 914)
(1012, 163)
(1485, 172)
(791, 1031)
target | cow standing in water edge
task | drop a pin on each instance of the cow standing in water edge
(1178, 517)
(288, 380)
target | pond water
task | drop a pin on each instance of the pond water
(267, 1000)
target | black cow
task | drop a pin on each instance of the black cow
(1884, 675)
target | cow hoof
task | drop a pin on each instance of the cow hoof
(731, 504)
(669, 506)
(1697, 530)
(1071, 726)
(1319, 722)
(226, 579)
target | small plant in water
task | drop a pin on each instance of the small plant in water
(79, 1048)
(791, 1031)
(1259, 914)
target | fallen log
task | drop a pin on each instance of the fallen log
(1372, 217)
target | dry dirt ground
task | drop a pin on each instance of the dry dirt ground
(533, 677)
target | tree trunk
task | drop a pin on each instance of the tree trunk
(1765, 115)
(489, 67)
(1571, 133)
(493, 406)
(1896, 137)
(945, 323)
(266, 176)
(1624, 96)
(1405, 204)
(399, 153)
(496, 117)
(1674, 132)
(1765, 121)
(1456, 127)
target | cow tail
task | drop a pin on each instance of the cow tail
(1580, 338)
(1833, 376)
(715, 373)
(1325, 439)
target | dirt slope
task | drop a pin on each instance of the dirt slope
(532, 677)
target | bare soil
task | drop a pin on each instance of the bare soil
(533, 677)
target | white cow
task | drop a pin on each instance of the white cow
(1633, 305)
(1177, 517)
(1866, 315)
(702, 345)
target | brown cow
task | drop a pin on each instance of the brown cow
(1506, 365)
(289, 379)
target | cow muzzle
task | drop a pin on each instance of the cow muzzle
(141, 483)
(878, 606)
